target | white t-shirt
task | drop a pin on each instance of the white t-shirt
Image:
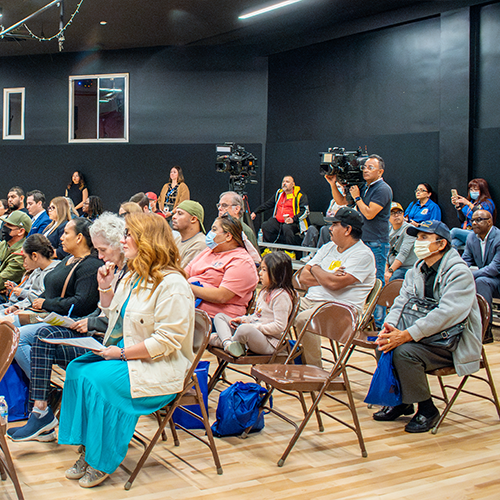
(358, 261)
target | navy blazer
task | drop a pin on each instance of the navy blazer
(489, 267)
(39, 225)
(55, 239)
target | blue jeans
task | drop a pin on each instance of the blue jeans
(380, 251)
(459, 236)
(26, 340)
(398, 274)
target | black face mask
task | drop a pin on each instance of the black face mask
(6, 236)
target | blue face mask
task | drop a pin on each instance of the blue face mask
(474, 195)
(209, 240)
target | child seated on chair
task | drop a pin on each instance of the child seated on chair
(261, 330)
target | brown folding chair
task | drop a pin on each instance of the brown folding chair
(384, 298)
(301, 289)
(337, 322)
(190, 395)
(9, 339)
(250, 358)
(483, 364)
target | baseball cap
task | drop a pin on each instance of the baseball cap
(195, 209)
(151, 195)
(19, 219)
(347, 216)
(431, 227)
(396, 206)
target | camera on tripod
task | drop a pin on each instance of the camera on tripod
(232, 159)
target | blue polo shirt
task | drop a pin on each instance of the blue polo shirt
(420, 213)
(377, 229)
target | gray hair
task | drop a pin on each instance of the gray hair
(236, 199)
(110, 227)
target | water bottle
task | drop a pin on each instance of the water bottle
(4, 409)
(260, 237)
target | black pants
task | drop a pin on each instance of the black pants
(275, 232)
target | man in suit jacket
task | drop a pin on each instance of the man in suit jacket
(40, 219)
(483, 250)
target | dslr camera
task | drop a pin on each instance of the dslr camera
(346, 165)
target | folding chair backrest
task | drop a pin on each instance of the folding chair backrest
(286, 331)
(333, 320)
(201, 336)
(296, 281)
(251, 304)
(485, 309)
(371, 302)
(9, 339)
(389, 293)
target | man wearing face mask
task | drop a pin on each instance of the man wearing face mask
(14, 230)
(439, 274)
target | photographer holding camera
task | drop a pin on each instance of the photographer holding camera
(373, 202)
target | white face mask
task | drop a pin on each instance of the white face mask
(421, 249)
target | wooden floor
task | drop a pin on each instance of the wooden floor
(461, 462)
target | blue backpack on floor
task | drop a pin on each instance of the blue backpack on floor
(238, 409)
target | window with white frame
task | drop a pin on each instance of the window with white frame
(13, 113)
(98, 108)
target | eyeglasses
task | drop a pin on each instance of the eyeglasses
(479, 219)
(421, 191)
(224, 206)
(51, 208)
(368, 167)
(397, 212)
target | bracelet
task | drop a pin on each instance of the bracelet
(109, 289)
(122, 355)
(357, 198)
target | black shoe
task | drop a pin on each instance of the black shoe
(488, 336)
(390, 413)
(419, 423)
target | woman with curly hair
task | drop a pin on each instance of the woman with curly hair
(77, 190)
(148, 351)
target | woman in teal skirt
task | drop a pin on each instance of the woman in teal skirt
(148, 351)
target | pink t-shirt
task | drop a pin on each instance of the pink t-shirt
(234, 270)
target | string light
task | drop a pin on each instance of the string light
(59, 35)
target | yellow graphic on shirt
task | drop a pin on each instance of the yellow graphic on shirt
(334, 265)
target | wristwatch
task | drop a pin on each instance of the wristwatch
(357, 198)
(390, 270)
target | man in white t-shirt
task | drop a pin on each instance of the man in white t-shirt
(341, 271)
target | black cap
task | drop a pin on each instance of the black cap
(347, 216)
(431, 227)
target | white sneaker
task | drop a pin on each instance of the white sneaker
(306, 259)
(78, 470)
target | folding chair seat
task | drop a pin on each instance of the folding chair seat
(190, 395)
(337, 322)
(250, 358)
(9, 340)
(483, 365)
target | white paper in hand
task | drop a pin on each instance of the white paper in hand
(85, 342)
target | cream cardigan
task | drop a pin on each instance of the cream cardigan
(165, 322)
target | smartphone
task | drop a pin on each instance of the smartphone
(454, 193)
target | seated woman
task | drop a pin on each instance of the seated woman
(425, 208)
(38, 261)
(225, 270)
(443, 276)
(60, 214)
(106, 233)
(149, 339)
(92, 208)
(478, 198)
(129, 207)
(72, 284)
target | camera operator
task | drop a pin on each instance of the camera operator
(289, 218)
(373, 201)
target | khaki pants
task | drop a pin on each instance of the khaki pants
(310, 341)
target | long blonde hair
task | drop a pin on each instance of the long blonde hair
(157, 251)
(63, 213)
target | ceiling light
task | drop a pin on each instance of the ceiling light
(103, 23)
(268, 9)
(1, 12)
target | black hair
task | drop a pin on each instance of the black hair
(232, 226)
(40, 244)
(37, 196)
(355, 232)
(81, 184)
(428, 187)
(95, 207)
(279, 268)
(381, 162)
(82, 226)
(17, 189)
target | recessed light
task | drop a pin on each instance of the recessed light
(103, 23)
(268, 9)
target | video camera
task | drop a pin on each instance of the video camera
(346, 165)
(238, 163)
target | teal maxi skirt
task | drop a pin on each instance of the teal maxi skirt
(98, 411)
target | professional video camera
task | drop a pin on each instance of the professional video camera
(346, 165)
(238, 163)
